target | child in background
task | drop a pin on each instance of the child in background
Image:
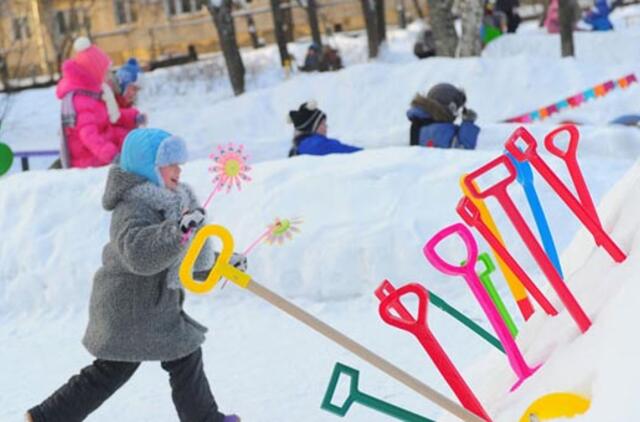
(135, 312)
(432, 119)
(93, 126)
(124, 83)
(310, 133)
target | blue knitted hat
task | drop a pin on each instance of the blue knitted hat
(145, 150)
(128, 73)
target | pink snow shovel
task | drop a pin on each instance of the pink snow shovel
(516, 360)
(392, 305)
(583, 208)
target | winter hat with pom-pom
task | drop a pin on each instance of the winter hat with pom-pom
(128, 73)
(91, 58)
(307, 117)
(144, 150)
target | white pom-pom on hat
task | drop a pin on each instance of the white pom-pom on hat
(81, 44)
(311, 105)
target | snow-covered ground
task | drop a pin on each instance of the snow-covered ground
(366, 217)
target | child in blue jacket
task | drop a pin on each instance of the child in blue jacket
(432, 119)
(310, 133)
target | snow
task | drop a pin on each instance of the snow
(366, 217)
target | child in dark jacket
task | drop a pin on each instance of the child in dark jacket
(432, 119)
(310, 133)
(135, 312)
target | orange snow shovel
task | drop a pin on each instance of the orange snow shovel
(222, 268)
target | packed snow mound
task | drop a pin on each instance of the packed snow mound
(589, 46)
(602, 363)
(364, 214)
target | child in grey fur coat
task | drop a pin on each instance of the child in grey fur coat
(135, 312)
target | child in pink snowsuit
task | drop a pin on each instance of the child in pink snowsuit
(93, 126)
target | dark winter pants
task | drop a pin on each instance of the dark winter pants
(85, 392)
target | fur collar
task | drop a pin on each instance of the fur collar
(436, 110)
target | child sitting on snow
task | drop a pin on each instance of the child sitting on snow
(310, 133)
(124, 83)
(136, 313)
(432, 119)
(598, 17)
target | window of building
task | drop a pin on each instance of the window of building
(125, 11)
(179, 7)
(71, 20)
(21, 30)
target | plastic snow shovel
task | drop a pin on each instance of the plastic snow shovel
(419, 327)
(356, 396)
(470, 214)
(485, 278)
(518, 291)
(583, 208)
(499, 191)
(223, 268)
(516, 360)
(525, 179)
(386, 288)
(554, 406)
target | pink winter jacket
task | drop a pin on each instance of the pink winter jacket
(94, 141)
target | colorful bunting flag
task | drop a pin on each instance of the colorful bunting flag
(575, 100)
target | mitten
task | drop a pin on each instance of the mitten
(192, 219)
(239, 261)
(469, 115)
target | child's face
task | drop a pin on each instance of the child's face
(170, 176)
(322, 128)
(130, 93)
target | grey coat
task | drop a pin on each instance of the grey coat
(134, 315)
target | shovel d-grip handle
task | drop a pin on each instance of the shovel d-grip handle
(338, 370)
(444, 266)
(404, 320)
(570, 158)
(356, 396)
(222, 267)
(499, 188)
(469, 213)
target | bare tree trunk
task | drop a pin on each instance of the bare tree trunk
(441, 21)
(402, 17)
(471, 17)
(287, 17)
(312, 12)
(227, 34)
(565, 12)
(416, 4)
(253, 32)
(278, 27)
(371, 21)
(381, 21)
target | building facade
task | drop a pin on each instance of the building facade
(36, 35)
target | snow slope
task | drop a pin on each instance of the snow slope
(366, 217)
